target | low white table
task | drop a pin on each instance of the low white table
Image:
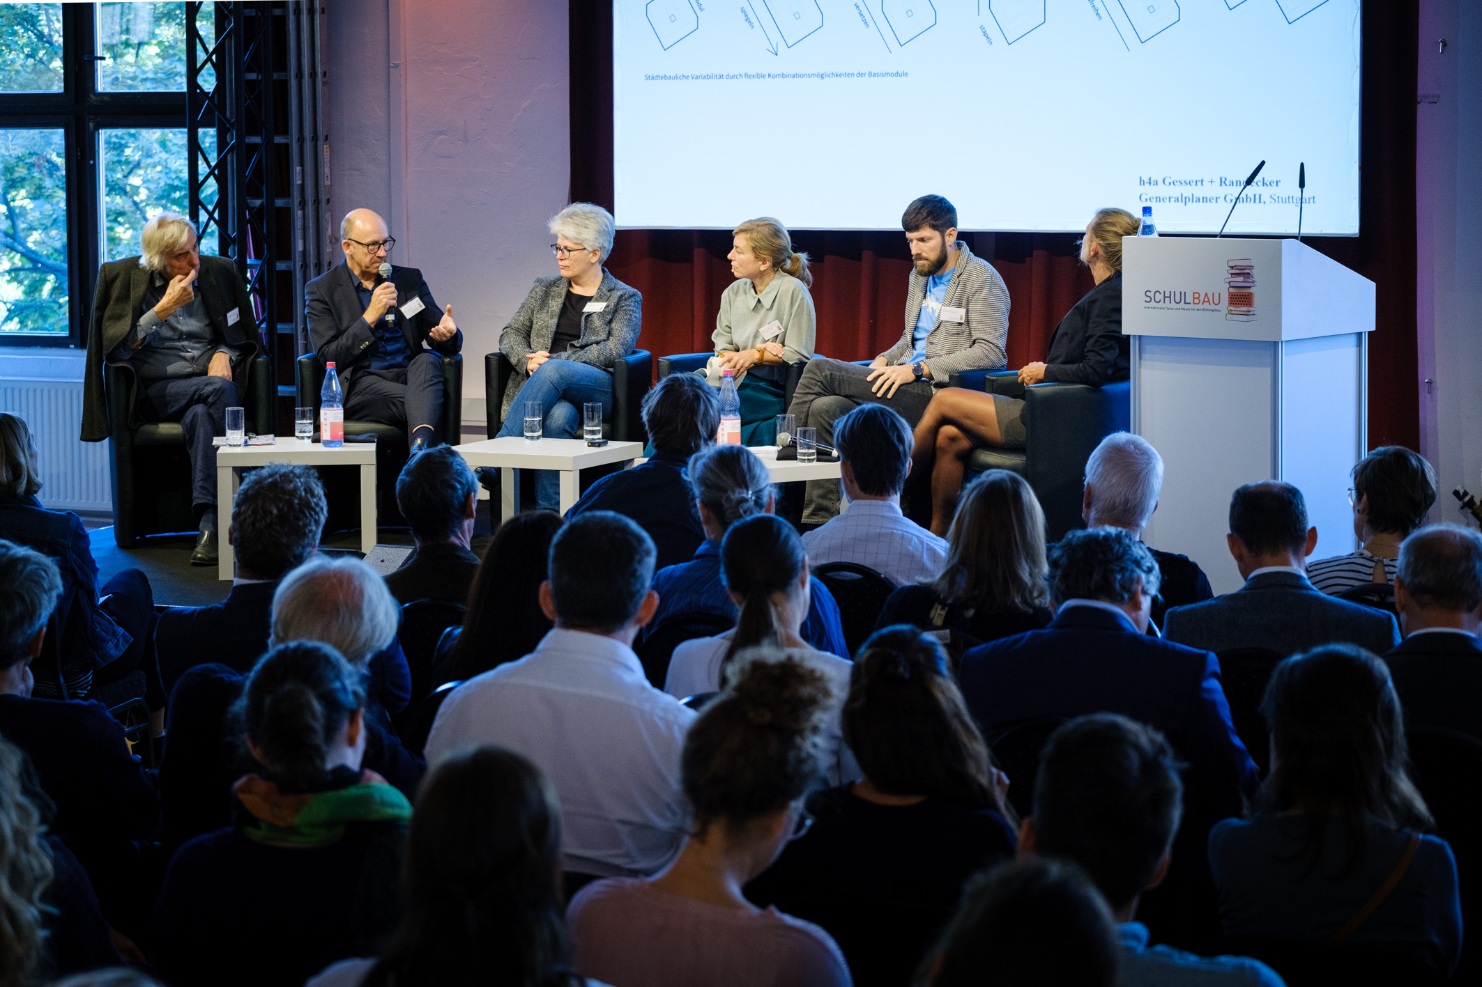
(792, 471)
(567, 456)
(299, 452)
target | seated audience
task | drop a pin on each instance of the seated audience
(1124, 478)
(105, 801)
(1108, 799)
(1393, 490)
(728, 483)
(307, 876)
(1277, 608)
(874, 446)
(749, 760)
(277, 519)
(992, 584)
(438, 495)
(504, 619)
(887, 856)
(1335, 852)
(1438, 592)
(1030, 923)
(681, 416)
(581, 709)
(101, 634)
(480, 886)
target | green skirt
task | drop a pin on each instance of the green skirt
(762, 392)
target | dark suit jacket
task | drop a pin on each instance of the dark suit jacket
(1182, 582)
(434, 572)
(1281, 611)
(1088, 661)
(1439, 680)
(233, 632)
(339, 332)
(118, 304)
(1088, 346)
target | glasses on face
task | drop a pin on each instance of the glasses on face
(801, 825)
(565, 252)
(375, 246)
(1352, 501)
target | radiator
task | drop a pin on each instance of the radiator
(74, 474)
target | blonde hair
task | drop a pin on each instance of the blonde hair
(1107, 228)
(996, 547)
(18, 474)
(162, 236)
(769, 239)
(25, 873)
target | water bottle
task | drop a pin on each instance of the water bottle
(1147, 228)
(730, 410)
(331, 410)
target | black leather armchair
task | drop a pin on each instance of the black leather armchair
(150, 466)
(1063, 424)
(630, 379)
(684, 363)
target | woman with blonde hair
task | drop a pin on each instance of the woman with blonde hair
(765, 323)
(1086, 348)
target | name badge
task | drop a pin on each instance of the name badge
(950, 314)
(412, 307)
(772, 330)
(591, 307)
(233, 317)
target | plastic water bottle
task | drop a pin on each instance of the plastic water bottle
(331, 410)
(730, 410)
(1147, 228)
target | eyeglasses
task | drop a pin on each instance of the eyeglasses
(801, 825)
(565, 252)
(389, 243)
(1351, 501)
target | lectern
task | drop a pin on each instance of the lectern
(1249, 362)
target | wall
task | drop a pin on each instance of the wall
(1448, 215)
(451, 120)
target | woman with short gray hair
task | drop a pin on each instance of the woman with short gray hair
(568, 334)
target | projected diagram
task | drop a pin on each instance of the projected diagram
(1016, 18)
(908, 19)
(672, 20)
(795, 19)
(1150, 18)
(1295, 10)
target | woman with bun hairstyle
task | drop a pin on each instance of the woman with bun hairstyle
(307, 876)
(749, 760)
(765, 323)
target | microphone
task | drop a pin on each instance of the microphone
(1468, 502)
(784, 439)
(385, 275)
(1301, 199)
(1237, 198)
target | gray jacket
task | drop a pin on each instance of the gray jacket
(606, 336)
(975, 343)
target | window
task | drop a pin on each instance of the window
(93, 143)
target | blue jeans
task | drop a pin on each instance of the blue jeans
(561, 387)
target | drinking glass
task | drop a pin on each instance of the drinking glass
(806, 440)
(786, 426)
(592, 420)
(533, 414)
(236, 426)
(303, 423)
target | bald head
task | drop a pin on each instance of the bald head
(359, 227)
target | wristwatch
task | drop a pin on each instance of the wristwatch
(919, 369)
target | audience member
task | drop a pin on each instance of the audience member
(1097, 656)
(580, 707)
(886, 859)
(728, 483)
(992, 584)
(438, 495)
(118, 976)
(1393, 490)
(105, 801)
(1277, 608)
(1108, 799)
(1335, 854)
(504, 619)
(1124, 478)
(681, 415)
(480, 887)
(1438, 591)
(874, 446)
(100, 635)
(749, 760)
(1030, 923)
(307, 875)
(277, 519)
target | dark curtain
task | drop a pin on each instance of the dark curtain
(860, 278)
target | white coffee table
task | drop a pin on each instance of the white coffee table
(299, 452)
(792, 471)
(567, 456)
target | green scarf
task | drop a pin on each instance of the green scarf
(316, 818)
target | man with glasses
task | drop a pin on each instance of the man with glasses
(385, 333)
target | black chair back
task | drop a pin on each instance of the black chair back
(423, 714)
(655, 650)
(1446, 765)
(1017, 752)
(1244, 673)
(861, 593)
(1380, 596)
(422, 624)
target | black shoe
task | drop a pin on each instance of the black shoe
(206, 549)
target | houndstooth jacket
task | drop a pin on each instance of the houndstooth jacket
(977, 342)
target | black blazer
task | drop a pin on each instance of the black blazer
(1088, 346)
(339, 332)
(1439, 681)
(233, 632)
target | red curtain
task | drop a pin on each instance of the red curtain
(860, 278)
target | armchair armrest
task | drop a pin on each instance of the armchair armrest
(497, 372)
(1005, 382)
(683, 363)
(118, 391)
(259, 398)
(976, 380)
(630, 379)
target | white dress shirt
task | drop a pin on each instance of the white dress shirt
(875, 533)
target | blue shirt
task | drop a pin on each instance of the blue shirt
(696, 587)
(390, 350)
(931, 310)
(1163, 966)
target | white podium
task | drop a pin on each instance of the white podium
(1249, 362)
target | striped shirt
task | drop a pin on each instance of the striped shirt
(1343, 572)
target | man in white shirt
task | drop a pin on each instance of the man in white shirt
(874, 444)
(580, 707)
